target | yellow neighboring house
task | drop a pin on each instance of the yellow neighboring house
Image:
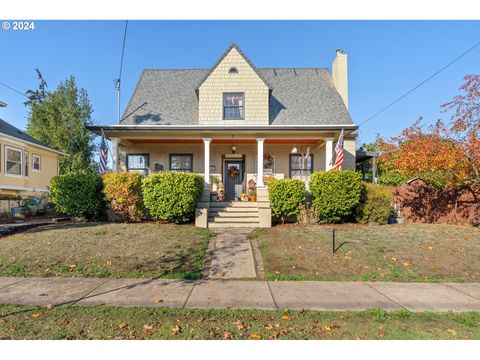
(26, 165)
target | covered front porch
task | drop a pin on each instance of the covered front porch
(229, 157)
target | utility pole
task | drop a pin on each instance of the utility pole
(118, 96)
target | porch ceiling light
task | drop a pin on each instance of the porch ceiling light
(234, 148)
(294, 150)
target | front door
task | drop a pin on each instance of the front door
(233, 175)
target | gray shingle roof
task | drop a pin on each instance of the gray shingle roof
(12, 131)
(299, 97)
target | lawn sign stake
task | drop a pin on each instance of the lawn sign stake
(334, 248)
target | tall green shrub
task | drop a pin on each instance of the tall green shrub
(78, 194)
(123, 193)
(335, 194)
(375, 204)
(172, 196)
(392, 179)
(286, 196)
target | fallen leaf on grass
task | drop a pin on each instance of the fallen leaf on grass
(109, 262)
(285, 317)
(176, 330)
(241, 325)
(49, 306)
(268, 327)
(228, 335)
(348, 257)
(255, 336)
(381, 334)
(451, 331)
(122, 325)
(394, 259)
(148, 327)
(158, 301)
(37, 314)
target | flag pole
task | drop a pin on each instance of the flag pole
(108, 146)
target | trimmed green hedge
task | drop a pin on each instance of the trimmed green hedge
(286, 196)
(172, 196)
(335, 194)
(123, 193)
(78, 194)
(375, 204)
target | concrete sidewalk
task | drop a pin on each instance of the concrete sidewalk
(314, 295)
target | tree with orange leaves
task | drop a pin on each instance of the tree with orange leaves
(465, 122)
(443, 154)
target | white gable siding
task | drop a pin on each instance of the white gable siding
(245, 81)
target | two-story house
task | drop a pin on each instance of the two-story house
(218, 122)
(26, 164)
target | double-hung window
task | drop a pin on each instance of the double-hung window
(36, 162)
(233, 106)
(300, 166)
(13, 161)
(138, 163)
(26, 163)
(181, 162)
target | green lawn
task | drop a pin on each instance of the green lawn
(417, 253)
(106, 250)
(21, 322)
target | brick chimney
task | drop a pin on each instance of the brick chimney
(340, 75)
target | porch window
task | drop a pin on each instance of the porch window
(36, 162)
(299, 166)
(138, 163)
(25, 163)
(181, 162)
(233, 106)
(268, 164)
(13, 161)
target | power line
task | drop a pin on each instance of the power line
(123, 49)
(14, 90)
(423, 82)
(119, 80)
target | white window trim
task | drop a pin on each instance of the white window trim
(39, 163)
(6, 159)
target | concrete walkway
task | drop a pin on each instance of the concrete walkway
(315, 295)
(229, 255)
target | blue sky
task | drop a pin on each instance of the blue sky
(386, 59)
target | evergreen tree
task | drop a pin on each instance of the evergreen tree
(59, 119)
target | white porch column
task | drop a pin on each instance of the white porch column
(328, 153)
(115, 143)
(260, 142)
(206, 160)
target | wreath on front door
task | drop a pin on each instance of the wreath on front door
(233, 172)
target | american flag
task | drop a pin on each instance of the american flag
(103, 155)
(338, 154)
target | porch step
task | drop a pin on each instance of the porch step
(233, 204)
(233, 214)
(234, 210)
(233, 225)
(243, 219)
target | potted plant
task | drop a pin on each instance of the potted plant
(243, 197)
(252, 195)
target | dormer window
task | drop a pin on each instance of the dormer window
(233, 70)
(233, 106)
